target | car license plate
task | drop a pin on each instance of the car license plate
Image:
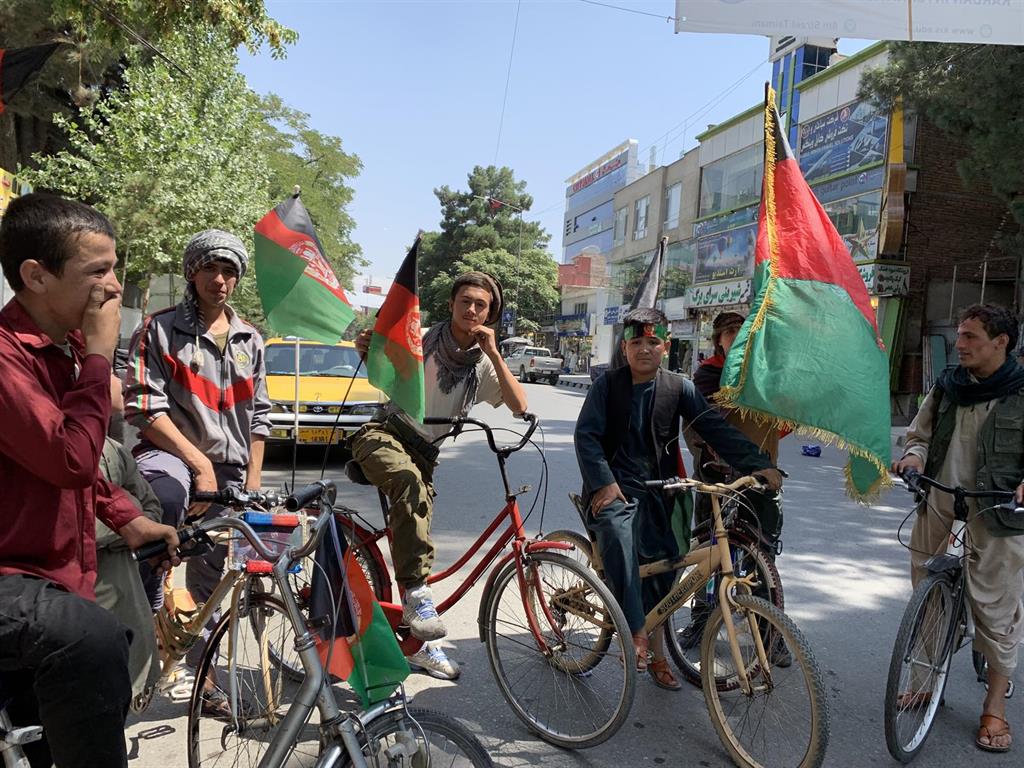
(319, 435)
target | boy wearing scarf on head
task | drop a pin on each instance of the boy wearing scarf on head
(462, 367)
(196, 391)
(628, 433)
(970, 432)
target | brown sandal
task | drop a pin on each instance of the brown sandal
(985, 730)
(662, 675)
(642, 645)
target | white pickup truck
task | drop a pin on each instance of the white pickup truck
(533, 363)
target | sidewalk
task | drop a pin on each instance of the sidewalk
(582, 381)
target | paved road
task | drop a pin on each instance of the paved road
(846, 586)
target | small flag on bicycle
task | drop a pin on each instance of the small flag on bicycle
(395, 361)
(355, 641)
(808, 357)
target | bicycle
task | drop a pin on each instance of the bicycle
(685, 627)
(763, 715)
(936, 623)
(266, 722)
(547, 622)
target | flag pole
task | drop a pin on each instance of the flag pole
(295, 411)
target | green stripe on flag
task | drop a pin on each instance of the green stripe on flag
(379, 665)
(393, 369)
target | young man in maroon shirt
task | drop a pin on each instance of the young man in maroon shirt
(64, 658)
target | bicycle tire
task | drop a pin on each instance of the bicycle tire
(758, 739)
(582, 552)
(927, 624)
(441, 731)
(264, 689)
(601, 683)
(683, 643)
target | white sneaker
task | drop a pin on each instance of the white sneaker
(431, 659)
(420, 615)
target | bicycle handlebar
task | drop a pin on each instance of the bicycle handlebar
(323, 490)
(748, 481)
(237, 498)
(914, 479)
(457, 421)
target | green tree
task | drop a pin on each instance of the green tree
(975, 94)
(537, 276)
(96, 38)
(486, 220)
(165, 158)
(317, 163)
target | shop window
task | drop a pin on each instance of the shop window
(673, 198)
(640, 217)
(732, 182)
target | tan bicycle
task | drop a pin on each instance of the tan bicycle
(766, 716)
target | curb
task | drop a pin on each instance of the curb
(584, 385)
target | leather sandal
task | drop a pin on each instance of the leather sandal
(987, 729)
(662, 675)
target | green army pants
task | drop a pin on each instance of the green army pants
(408, 482)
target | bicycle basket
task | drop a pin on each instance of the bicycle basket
(276, 531)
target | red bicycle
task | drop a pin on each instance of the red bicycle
(557, 641)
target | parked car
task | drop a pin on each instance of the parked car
(333, 390)
(533, 363)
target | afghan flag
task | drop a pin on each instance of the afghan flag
(17, 65)
(809, 357)
(354, 640)
(300, 294)
(395, 361)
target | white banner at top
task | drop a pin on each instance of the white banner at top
(949, 21)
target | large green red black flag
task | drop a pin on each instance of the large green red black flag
(17, 65)
(300, 294)
(809, 357)
(395, 361)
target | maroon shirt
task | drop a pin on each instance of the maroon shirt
(52, 427)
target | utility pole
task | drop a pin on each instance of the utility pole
(495, 203)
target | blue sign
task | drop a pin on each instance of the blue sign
(846, 139)
(507, 316)
(611, 315)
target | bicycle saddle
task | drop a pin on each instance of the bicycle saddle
(355, 473)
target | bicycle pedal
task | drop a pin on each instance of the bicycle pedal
(18, 736)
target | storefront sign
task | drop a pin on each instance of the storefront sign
(572, 325)
(884, 279)
(717, 294)
(726, 255)
(850, 186)
(598, 173)
(682, 329)
(848, 138)
(612, 314)
(945, 21)
(732, 220)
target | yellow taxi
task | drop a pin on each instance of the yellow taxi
(334, 393)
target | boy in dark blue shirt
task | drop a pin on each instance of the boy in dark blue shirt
(627, 433)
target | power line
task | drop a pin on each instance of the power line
(118, 22)
(630, 10)
(508, 78)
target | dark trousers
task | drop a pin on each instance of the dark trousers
(65, 661)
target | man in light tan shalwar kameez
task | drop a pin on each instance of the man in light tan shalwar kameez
(969, 432)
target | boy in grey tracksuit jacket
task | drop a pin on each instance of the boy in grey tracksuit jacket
(208, 378)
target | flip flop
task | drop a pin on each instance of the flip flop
(985, 729)
(642, 645)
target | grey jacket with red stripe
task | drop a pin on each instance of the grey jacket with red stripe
(218, 403)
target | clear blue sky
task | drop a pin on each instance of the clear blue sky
(415, 90)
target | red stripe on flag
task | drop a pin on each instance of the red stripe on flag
(810, 246)
(399, 320)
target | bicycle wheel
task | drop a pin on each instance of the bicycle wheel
(582, 547)
(685, 627)
(784, 719)
(264, 693)
(580, 692)
(431, 737)
(920, 664)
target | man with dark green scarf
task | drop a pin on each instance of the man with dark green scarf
(970, 432)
